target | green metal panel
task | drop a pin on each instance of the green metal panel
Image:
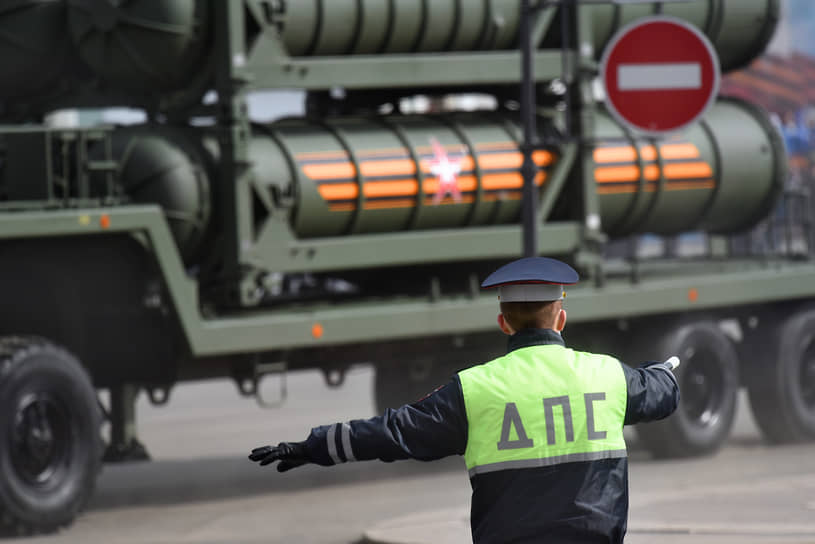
(267, 71)
(734, 285)
(286, 254)
(244, 332)
(660, 290)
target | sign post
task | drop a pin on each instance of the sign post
(529, 205)
(659, 74)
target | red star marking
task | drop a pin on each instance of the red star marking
(447, 171)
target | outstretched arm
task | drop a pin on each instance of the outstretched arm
(653, 392)
(290, 455)
(431, 428)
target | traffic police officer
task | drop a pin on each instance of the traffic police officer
(540, 429)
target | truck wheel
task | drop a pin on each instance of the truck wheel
(399, 384)
(781, 384)
(50, 447)
(708, 382)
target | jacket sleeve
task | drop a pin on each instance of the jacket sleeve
(429, 429)
(653, 392)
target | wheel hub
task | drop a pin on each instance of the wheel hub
(701, 390)
(37, 450)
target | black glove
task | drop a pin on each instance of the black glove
(290, 455)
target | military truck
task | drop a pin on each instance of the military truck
(201, 244)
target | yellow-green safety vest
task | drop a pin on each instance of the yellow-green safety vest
(543, 405)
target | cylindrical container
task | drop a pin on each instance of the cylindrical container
(360, 176)
(157, 46)
(33, 45)
(347, 27)
(355, 176)
(160, 165)
(142, 45)
(739, 29)
(721, 175)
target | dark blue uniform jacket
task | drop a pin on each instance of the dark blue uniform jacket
(572, 502)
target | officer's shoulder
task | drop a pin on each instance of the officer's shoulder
(485, 365)
(597, 358)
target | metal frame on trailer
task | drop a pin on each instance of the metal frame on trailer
(264, 64)
(639, 289)
(703, 286)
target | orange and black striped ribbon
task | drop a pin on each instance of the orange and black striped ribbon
(390, 180)
(617, 170)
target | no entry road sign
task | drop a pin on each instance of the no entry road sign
(659, 75)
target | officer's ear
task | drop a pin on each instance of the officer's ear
(505, 327)
(560, 321)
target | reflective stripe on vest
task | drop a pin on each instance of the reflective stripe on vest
(541, 406)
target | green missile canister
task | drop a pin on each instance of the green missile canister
(158, 45)
(142, 45)
(355, 176)
(721, 175)
(165, 166)
(739, 29)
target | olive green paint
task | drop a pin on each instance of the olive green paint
(249, 54)
(723, 284)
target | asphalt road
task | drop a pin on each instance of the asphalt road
(201, 489)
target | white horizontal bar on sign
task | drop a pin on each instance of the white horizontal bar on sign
(659, 76)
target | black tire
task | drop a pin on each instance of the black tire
(708, 382)
(781, 381)
(404, 383)
(50, 444)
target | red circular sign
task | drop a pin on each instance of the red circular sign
(659, 74)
